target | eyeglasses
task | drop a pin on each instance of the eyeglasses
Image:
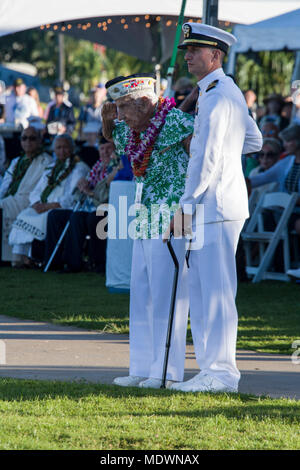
(32, 138)
(267, 154)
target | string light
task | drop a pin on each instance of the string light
(109, 21)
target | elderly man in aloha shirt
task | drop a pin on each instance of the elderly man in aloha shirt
(155, 136)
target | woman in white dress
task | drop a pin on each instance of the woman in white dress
(19, 180)
(53, 191)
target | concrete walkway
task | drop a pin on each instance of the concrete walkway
(43, 351)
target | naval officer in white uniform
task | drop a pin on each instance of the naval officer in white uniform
(223, 131)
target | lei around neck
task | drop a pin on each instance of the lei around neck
(139, 150)
(59, 172)
(20, 169)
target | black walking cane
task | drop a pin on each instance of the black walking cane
(77, 205)
(171, 314)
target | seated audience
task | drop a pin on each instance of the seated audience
(269, 129)
(54, 190)
(274, 105)
(94, 190)
(19, 180)
(286, 171)
(267, 157)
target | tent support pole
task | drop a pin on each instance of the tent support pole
(61, 58)
(210, 12)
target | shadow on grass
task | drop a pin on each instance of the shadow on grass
(169, 404)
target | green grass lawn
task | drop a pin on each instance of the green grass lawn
(269, 312)
(56, 415)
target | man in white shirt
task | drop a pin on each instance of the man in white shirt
(223, 130)
(19, 106)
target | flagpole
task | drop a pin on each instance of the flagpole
(174, 53)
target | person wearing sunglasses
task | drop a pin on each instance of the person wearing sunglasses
(286, 171)
(268, 155)
(19, 180)
(54, 190)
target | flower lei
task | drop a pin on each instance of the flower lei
(56, 176)
(139, 150)
(19, 171)
(97, 173)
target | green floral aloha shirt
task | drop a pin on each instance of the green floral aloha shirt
(164, 181)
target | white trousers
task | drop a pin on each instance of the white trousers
(150, 296)
(213, 314)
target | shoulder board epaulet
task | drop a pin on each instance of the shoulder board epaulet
(212, 85)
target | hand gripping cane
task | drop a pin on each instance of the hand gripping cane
(171, 314)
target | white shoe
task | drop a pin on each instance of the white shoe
(203, 383)
(179, 385)
(128, 380)
(294, 272)
(154, 383)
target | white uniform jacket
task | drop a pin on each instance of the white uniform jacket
(223, 131)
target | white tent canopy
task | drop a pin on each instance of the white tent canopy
(19, 15)
(275, 34)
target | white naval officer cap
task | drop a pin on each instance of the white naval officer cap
(204, 35)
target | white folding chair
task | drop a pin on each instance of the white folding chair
(268, 241)
(255, 196)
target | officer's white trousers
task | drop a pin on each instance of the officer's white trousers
(150, 296)
(213, 314)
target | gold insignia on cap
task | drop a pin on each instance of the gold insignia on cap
(187, 31)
